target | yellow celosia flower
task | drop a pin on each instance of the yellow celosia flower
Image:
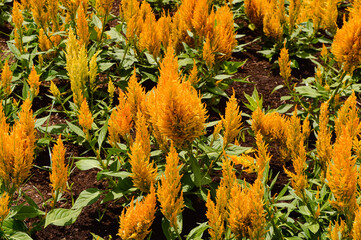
(120, 122)
(163, 28)
(338, 232)
(232, 121)
(346, 45)
(138, 218)
(299, 178)
(170, 194)
(44, 43)
(20, 149)
(77, 67)
(323, 143)
(17, 16)
(59, 170)
(254, 10)
(199, 20)
(82, 26)
(128, 9)
(347, 115)
(103, 7)
(176, 117)
(246, 214)
(217, 130)
(306, 129)
(135, 95)
(272, 26)
(34, 82)
(6, 77)
(148, 38)
(85, 116)
(285, 64)
(208, 55)
(37, 8)
(193, 76)
(54, 90)
(215, 219)
(111, 90)
(143, 172)
(342, 175)
(330, 14)
(294, 135)
(294, 13)
(324, 51)
(4, 206)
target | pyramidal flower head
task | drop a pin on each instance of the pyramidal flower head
(34, 82)
(4, 206)
(215, 219)
(232, 121)
(59, 170)
(85, 116)
(135, 221)
(170, 194)
(135, 95)
(323, 143)
(285, 64)
(6, 77)
(17, 16)
(179, 113)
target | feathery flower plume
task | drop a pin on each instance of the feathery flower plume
(215, 219)
(82, 26)
(17, 16)
(163, 28)
(346, 45)
(178, 118)
(232, 122)
(143, 172)
(120, 122)
(217, 130)
(246, 214)
(207, 54)
(356, 228)
(59, 170)
(148, 38)
(193, 76)
(136, 221)
(323, 143)
(111, 90)
(299, 178)
(44, 42)
(37, 8)
(294, 135)
(199, 20)
(330, 14)
(6, 77)
(85, 116)
(54, 90)
(255, 11)
(135, 95)
(4, 206)
(272, 26)
(77, 67)
(103, 7)
(294, 12)
(338, 232)
(324, 51)
(34, 82)
(285, 64)
(93, 71)
(170, 194)
(342, 176)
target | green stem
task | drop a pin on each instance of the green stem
(55, 199)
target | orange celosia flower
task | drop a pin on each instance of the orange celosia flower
(34, 82)
(148, 38)
(215, 219)
(135, 95)
(193, 76)
(163, 28)
(82, 26)
(347, 44)
(37, 8)
(120, 122)
(254, 10)
(136, 221)
(17, 16)
(285, 64)
(299, 178)
(272, 26)
(330, 14)
(44, 43)
(176, 117)
(93, 71)
(342, 175)
(170, 194)
(103, 7)
(338, 232)
(4, 206)
(85, 116)
(6, 77)
(323, 143)
(294, 135)
(356, 227)
(246, 214)
(143, 172)
(59, 170)
(232, 122)
(199, 20)
(208, 55)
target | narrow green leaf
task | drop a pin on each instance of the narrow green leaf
(76, 129)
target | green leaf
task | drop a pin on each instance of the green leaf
(86, 164)
(197, 232)
(196, 172)
(102, 134)
(112, 195)
(314, 227)
(97, 22)
(86, 198)
(122, 174)
(20, 236)
(28, 212)
(104, 66)
(62, 217)
(217, 91)
(76, 129)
